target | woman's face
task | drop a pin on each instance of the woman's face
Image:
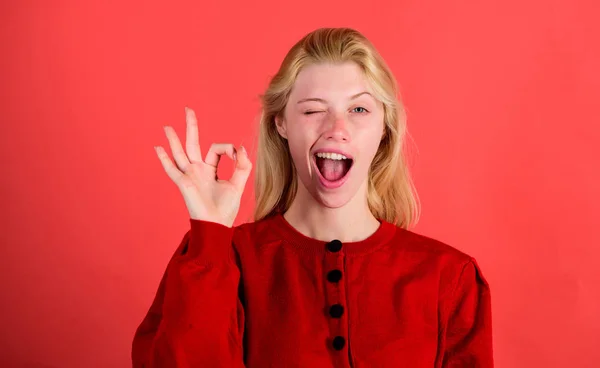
(331, 108)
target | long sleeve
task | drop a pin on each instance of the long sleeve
(467, 339)
(196, 318)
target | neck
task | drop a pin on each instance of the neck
(348, 223)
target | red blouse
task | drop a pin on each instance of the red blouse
(263, 294)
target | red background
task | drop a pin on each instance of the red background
(502, 100)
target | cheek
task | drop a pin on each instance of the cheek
(299, 148)
(372, 139)
(299, 140)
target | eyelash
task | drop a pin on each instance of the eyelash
(358, 107)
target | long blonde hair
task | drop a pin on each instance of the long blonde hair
(391, 192)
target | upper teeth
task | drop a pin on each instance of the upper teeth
(332, 156)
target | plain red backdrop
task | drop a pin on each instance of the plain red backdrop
(502, 100)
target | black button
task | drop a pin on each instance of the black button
(336, 310)
(334, 275)
(339, 342)
(334, 245)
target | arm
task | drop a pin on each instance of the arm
(467, 340)
(196, 318)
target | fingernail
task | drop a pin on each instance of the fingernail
(243, 149)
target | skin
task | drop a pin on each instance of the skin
(354, 125)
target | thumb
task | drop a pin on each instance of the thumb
(243, 167)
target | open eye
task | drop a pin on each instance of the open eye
(363, 110)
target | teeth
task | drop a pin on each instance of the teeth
(331, 156)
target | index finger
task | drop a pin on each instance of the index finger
(192, 143)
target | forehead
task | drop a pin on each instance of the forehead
(325, 79)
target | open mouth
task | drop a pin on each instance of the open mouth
(333, 168)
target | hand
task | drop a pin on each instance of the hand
(206, 197)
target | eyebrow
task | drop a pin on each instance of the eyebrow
(324, 101)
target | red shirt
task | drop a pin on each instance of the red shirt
(264, 295)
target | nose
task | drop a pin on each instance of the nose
(337, 129)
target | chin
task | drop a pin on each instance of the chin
(332, 201)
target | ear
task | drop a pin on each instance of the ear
(281, 126)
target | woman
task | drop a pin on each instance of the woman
(328, 274)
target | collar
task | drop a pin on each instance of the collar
(384, 233)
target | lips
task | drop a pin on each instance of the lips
(327, 183)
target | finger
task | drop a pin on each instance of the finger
(242, 170)
(215, 152)
(192, 142)
(180, 157)
(170, 168)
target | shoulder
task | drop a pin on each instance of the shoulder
(429, 247)
(255, 232)
(448, 261)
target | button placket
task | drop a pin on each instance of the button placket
(336, 311)
(334, 275)
(336, 295)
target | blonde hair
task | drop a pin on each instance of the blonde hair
(391, 193)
